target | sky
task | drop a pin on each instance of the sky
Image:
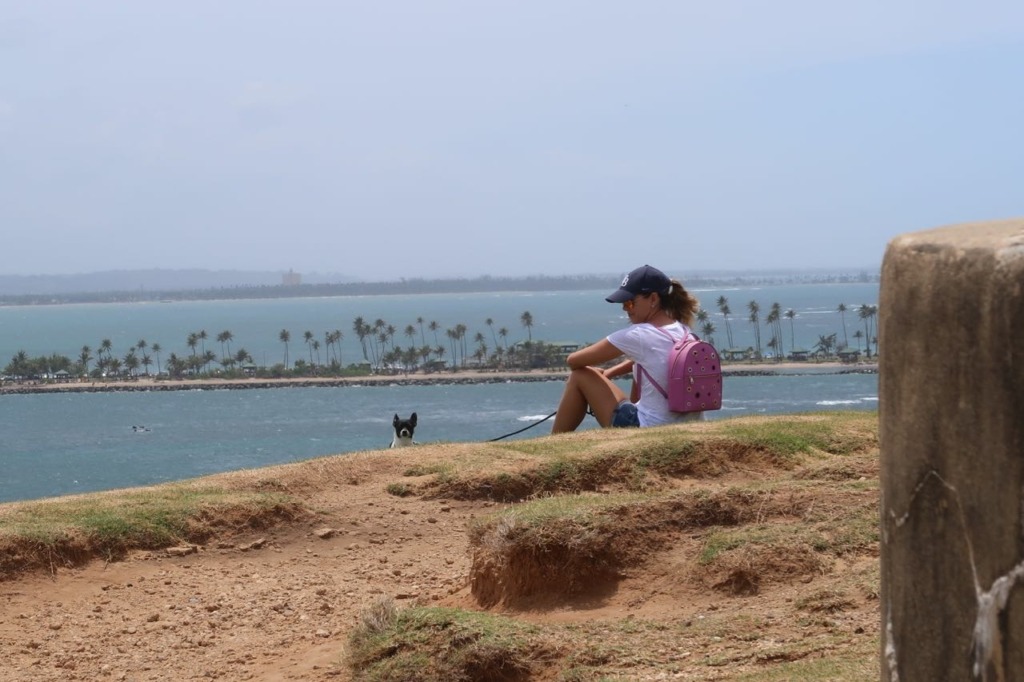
(439, 138)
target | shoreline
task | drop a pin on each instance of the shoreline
(439, 379)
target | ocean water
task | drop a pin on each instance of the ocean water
(59, 444)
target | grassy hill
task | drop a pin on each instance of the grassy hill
(740, 549)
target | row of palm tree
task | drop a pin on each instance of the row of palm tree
(381, 352)
(827, 345)
(377, 340)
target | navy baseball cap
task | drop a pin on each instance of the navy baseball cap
(643, 280)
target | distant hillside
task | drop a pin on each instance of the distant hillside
(146, 281)
(187, 285)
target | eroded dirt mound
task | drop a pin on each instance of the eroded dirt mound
(749, 537)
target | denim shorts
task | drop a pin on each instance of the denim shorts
(625, 416)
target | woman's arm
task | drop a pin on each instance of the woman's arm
(618, 370)
(594, 354)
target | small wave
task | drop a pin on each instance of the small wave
(531, 418)
(871, 399)
(837, 402)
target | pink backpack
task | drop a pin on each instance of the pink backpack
(694, 375)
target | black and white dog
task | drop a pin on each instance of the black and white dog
(403, 431)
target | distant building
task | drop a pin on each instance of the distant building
(291, 279)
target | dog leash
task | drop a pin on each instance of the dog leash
(524, 428)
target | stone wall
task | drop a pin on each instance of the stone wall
(951, 392)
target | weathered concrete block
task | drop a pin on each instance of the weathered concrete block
(951, 407)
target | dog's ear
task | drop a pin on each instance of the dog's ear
(396, 420)
(412, 419)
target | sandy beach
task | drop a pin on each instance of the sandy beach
(460, 377)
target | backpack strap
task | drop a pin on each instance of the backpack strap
(640, 378)
(644, 373)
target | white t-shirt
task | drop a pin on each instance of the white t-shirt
(644, 344)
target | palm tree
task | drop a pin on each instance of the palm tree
(490, 325)
(105, 347)
(316, 348)
(872, 313)
(790, 314)
(285, 336)
(434, 326)
(382, 340)
(156, 349)
(481, 344)
(865, 313)
(360, 328)
(503, 333)
(84, 357)
(858, 335)
(423, 340)
(708, 330)
(723, 307)
(409, 357)
(452, 336)
(410, 332)
(825, 344)
(192, 341)
(338, 336)
(379, 331)
(329, 343)
(202, 337)
(842, 316)
(307, 336)
(774, 319)
(175, 366)
(755, 318)
(131, 362)
(225, 343)
(141, 345)
(526, 319)
(20, 364)
(460, 331)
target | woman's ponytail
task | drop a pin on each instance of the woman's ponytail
(679, 303)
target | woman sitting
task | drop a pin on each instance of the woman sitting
(655, 305)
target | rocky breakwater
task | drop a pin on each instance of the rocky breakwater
(244, 384)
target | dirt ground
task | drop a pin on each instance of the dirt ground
(280, 605)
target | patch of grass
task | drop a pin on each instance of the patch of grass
(851, 532)
(585, 510)
(856, 665)
(542, 447)
(599, 460)
(825, 601)
(443, 645)
(442, 470)
(837, 433)
(73, 529)
(727, 539)
(399, 489)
